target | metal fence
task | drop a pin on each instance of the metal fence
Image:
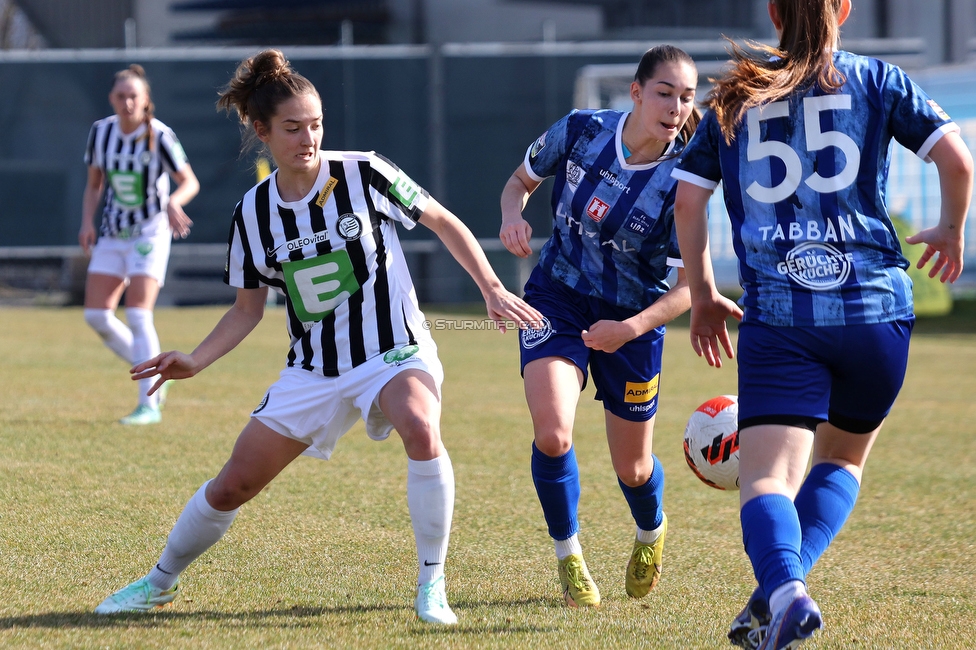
(456, 117)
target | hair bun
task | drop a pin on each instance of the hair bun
(269, 66)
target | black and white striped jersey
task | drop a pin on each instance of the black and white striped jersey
(336, 257)
(136, 173)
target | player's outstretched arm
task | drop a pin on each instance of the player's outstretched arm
(516, 233)
(233, 327)
(709, 309)
(502, 305)
(955, 165)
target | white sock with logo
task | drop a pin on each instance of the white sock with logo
(430, 498)
(198, 528)
(145, 345)
(113, 332)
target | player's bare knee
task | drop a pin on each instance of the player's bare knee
(553, 443)
(419, 431)
(634, 475)
(229, 494)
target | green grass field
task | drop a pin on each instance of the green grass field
(325, 558)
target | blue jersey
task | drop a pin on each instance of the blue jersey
(613, 223)
(804, 182)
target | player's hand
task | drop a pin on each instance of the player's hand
(86, 237)
(608, 335)
(505, 307)
(948, 243)
(178, 221)
(709, 335)
(515, 235)
(168, 365)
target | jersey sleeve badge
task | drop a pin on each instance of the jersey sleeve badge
(538, 145)
(405, 190)
(938, 110)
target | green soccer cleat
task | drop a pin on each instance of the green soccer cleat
(579, 590)
(140, 596)
(644, 568)
(144, 414)
(431, 603)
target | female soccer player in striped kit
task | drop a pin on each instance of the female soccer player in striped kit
(601, 284)
(799, 136)
(130, 157)
(321, 230)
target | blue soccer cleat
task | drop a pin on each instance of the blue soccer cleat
(793, 625)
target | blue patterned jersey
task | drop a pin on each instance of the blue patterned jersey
(804, 182)
(613, 223)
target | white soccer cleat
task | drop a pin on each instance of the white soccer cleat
(140, 596)
(431, 603)
(144, 414)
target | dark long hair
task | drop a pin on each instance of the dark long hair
(761, 74)
(648, 66)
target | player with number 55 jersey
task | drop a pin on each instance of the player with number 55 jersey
(804, 183)
(800, 136)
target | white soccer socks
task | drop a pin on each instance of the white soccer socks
(145, 345)
(430, 498)
(113, 332)
(199, 527)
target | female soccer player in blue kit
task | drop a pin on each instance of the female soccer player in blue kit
(799, 136)
(601, 284)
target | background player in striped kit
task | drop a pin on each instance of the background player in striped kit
(130, 157)
(800, 137)
(321, 230)
(601, 284)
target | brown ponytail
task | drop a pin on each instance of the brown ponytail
(762, 74)
(260, 84)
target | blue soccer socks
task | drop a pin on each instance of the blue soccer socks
(558, 486)
(771, 536)
(824, 502)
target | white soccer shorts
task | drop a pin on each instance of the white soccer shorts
(139, 255)
(318, 410)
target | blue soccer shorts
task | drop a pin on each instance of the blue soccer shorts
(626, 381)
(800, 376)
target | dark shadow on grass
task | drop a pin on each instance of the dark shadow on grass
(463, 629)
(298, 616)
(151, 619)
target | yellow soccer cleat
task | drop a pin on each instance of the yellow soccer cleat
(579, 590)
(644, 568)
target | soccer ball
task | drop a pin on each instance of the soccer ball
(712, 442)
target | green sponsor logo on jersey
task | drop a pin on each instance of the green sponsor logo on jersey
(405, 189)
(178, 153)
(400, 355)
(318, 285)
(127, 188)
